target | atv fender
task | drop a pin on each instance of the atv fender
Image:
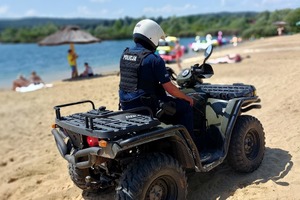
(185, 152)
(222, 114)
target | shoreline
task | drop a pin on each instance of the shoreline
(54, 78)
(191, 59)
(56, 69)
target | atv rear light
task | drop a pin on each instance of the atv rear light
(102, 143)
(92, 141)
(53, 126)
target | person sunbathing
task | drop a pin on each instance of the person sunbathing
(21, 81)
(231, 58)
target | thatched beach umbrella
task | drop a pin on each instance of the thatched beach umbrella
(280, 23)
(69, 35)
(280, 26)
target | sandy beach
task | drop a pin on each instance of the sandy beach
(32, 168)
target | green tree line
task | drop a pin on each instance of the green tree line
(243, 24)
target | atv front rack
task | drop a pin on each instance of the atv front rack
(104, 123)
(227, 92)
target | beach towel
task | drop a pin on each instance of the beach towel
(33, 87)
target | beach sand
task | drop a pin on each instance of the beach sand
(32, 168)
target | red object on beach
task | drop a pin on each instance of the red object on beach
(168, 57)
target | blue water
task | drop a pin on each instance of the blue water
(51, 62)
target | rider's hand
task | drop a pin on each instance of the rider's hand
(191, 101)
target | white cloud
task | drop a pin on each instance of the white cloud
(119, 12)
(167, 9)
(102, 12)
(83, 10)
(277, 4)
(99, 1)
(31, 12)
(3, 9)
(223, 2)
(273, 1)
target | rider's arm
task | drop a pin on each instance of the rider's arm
(162, 76)
(175, 92)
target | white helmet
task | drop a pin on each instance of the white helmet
(148, 31)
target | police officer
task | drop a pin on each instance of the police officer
(143, 74)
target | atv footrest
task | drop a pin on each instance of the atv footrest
(210, 156)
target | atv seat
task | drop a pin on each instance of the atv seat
(227, 92)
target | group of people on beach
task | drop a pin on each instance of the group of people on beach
(21, 81)
(72, 57)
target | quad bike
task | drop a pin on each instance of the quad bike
(143, 158)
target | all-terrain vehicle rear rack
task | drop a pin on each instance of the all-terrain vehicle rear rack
(105, 123)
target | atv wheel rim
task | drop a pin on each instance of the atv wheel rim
(163, 188)
(251, 144)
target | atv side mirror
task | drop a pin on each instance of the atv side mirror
(204, 71)
(208, 51)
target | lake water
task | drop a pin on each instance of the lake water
(51, 62)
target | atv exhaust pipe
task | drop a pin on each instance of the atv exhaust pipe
(89, 153)
(60, 143)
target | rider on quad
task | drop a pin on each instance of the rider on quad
(145, 80)
(143, 157)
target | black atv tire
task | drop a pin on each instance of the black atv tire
(154, 176)
(78, 177)
(247, 145)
